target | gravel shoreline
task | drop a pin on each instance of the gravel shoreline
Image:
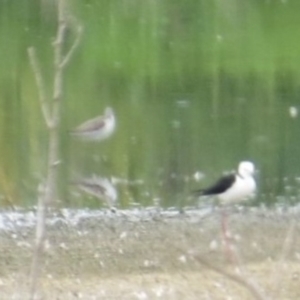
(145, 246)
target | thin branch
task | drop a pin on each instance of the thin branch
(40, 86)
(238, 278)
(58, 71)
(75, 45)
(242, 275)
(280, 267)
(40, 235)
(49, 189)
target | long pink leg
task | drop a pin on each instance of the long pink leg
(225, 237)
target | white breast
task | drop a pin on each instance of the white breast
(242, 189)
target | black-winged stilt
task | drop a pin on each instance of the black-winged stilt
(96, 129)
(234, 187)
(230, 189)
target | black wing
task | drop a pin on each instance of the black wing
(219, 187)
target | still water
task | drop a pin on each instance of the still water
(197, 86)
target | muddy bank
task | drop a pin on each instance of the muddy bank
(150, 253)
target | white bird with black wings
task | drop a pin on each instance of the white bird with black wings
(234, 187)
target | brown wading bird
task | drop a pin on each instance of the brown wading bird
(100, 188)
(96, 129)
(230, 189)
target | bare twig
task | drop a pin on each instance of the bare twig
(76, 43)
(39, 243)
(281, 265)
(52, 119)
(238, 278)
(40, 85)
(58, 71)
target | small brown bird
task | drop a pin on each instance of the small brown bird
(96, 129)
(98, 187)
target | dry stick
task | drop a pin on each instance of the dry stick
(53, 122)
(39, 244)
(280, 268)
(73, 47)
(242, 280)
(44, 192)
(40, 85)
(243, 273)
(234, 254)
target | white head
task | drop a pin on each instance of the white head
(246, 169)
(108, 111)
